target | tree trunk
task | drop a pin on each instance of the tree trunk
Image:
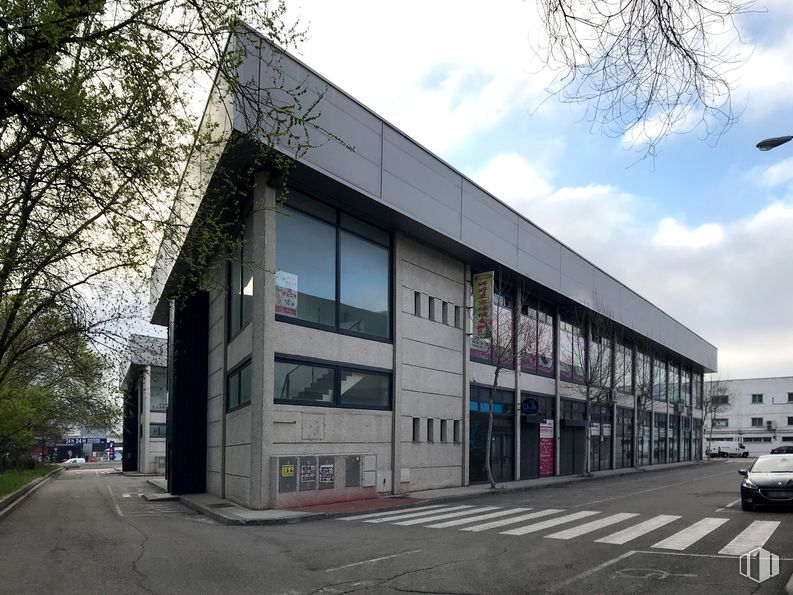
(588, 435)
(488, 449)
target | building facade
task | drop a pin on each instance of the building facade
(757, 412)
(144, 386)
(331, 356)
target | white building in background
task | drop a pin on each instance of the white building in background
(759, 413)
(145, 405)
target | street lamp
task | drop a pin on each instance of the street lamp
(771, 143)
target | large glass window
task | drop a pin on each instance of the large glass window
(322, 254)
(501, 346)
(624, 435)
(600, 361)
(240, 306)
(571, 352)
(238, 387)
(674, 383)
(600, 438)
(659, 439)
(623, 371)
(158, 430)
(158, 397)
(644, 440)
(331, 385)
(364, 278)
(659, 380)
(536, 336)
(686, 387)
(697, 389)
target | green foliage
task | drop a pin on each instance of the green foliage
(13, 479)
(97, 121)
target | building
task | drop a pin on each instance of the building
(755, 411)
(330, 358)
(144, 386)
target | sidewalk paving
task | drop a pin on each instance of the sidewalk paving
(229, 513)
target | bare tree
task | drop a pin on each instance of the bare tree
(592, 344)
(514, 336)
(646, 68)
(715, 399)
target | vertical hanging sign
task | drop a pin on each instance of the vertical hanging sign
(285, 293)
(483, 310)
(546, 448)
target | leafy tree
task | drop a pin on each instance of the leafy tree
(97, 121)
(646, 68)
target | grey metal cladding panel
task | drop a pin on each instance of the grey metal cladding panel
(403, 159)
(539, 271)
(540, 245)
(609, 294)
(489, 226)
(577, 280)
(359, 163)
(418, 185)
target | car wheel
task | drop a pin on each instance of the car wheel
(746, 507)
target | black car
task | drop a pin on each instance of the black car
(782, 450)
(769, 482)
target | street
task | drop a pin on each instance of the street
(673, 531)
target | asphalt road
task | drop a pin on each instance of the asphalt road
(90, 531)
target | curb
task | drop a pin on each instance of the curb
(232, 519)
(14, 498)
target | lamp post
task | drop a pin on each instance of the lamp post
(772, 143)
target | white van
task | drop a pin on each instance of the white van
(73, 463)
(728, 448)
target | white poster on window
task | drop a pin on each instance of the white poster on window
(285, 293)
(594, 429)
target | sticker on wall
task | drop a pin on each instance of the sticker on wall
(287, 470)
(327, 473)
(308, 473)
(483, 310)
(285, 293)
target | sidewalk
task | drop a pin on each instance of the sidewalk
(229, 513)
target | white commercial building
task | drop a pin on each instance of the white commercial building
(755, 411)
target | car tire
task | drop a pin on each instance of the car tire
(746, 507)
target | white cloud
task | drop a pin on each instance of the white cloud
(672, 234)
(440, 72)
(774, 175)
(728, 282)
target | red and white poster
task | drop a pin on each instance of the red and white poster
(285, 293)
(546, 448)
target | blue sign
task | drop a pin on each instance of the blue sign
(529, 406)
(85, 441)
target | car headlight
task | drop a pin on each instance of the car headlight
(747, 483)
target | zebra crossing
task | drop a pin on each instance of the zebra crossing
(579, 524)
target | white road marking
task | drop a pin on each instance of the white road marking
(372, 560)
(755, 535)
(569, 518)
(415, 514)
(592, 526)
(373, 515)
(681, 540)
(631, 533)
(448, 515)
(115, 504)
(480, 517)
(513, 520)
(125, 495)
(687, 555)
(728, 506)
(592, 571)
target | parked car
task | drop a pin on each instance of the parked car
(782, 450)
(73, 463)
(768, 482)
(728, 448)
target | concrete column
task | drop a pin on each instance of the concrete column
(519, 346)
(262, 365)
(145, 417)
(467, 330)
(557, 417)
(396, 397)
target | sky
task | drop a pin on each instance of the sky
(704, 230)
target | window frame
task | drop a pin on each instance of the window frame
(337, 367)
(757, 398)
(336, 327)
(757, 425)
(158, 424)
(231, 372)
(239, 230)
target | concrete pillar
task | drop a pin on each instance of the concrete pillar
(557, 417)
(467, 330)
(396, 397)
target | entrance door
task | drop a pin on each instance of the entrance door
(502, 457)
(573, 443)
(529, 450)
